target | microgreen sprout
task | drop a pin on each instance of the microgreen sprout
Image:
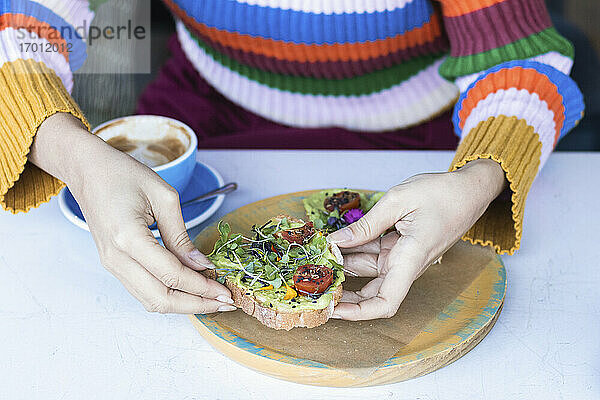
(228, 242)
(268, 257)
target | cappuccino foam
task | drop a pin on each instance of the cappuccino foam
(153, 141)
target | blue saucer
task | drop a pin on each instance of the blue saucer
(204, 179)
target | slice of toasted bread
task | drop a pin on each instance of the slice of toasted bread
(279, 319)
(283, 319)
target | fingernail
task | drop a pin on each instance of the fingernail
(343, 235)
(226, 308)
(335, 315)
(224, 299)
(197, 257)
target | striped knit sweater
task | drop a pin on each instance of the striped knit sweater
(366, 65)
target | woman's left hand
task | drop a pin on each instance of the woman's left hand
(429, 212)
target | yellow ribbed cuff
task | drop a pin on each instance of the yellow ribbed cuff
(30, 92)
(513, 144)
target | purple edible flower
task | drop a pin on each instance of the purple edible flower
(331, 221)
(353, 215)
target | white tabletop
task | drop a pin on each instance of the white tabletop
(69, 330)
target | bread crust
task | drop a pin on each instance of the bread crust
(285, 320)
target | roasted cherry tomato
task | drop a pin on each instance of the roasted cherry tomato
(343, 201)
(298, 235)
(312, 279)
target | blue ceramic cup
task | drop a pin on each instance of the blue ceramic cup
(138, 134)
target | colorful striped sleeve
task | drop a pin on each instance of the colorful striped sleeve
(517, 99)
(40, 47)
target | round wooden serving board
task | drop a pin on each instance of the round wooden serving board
(458, 322)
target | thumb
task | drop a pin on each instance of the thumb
(169, 221)
(381, 297)
(369, 227)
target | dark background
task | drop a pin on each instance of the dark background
(577, 20)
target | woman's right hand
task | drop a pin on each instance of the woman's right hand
(120, 198)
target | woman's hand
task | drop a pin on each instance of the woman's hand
(120, 198)
(429, 213)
